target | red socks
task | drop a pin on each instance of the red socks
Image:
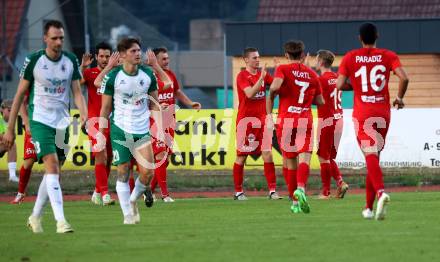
(291, 185)
(375, 173)
(269, 173)
(303, 174)
(101, 179)
(237, 172)
(25, 174)
(335, 173)
(326, 178)
(160, 175)
(286, 176)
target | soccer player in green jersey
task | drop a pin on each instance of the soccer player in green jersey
(130, 94)
(48, 75)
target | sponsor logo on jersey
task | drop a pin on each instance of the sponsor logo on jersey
(45, 67)
(260, 95)
(122, 82)
(166, 96)
(296, 109)
(141, 83)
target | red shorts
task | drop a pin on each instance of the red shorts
(92, 137)
(163, 146)
(372, 131)
(251, 137)
(294, 139)
(29, 149)
(329, 139)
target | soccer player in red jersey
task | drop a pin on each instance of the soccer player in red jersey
(330, 125)
(103, 158)
(29, 155)
(251, 122)
(368, 69)
(167, 99)
(298, 87)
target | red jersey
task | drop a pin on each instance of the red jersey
(369, 72)
(256, 105)
(94, 98)
(300, 86)
(332, 97)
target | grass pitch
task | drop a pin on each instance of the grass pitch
(227, 230)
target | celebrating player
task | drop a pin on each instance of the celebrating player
(103, 158)
(368, 69)
(298, 87)
(329, 126)
(48, 74)
(130, 92)
(251, 120)
(167, 99)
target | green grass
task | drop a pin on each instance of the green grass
(227, 230)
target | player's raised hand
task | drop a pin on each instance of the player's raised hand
(399, 103)
(151, 58)
(86, 60)
(113, 60)
(263, 71)
(196, 105)
(307, 60)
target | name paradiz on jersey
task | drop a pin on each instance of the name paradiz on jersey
(368, 59)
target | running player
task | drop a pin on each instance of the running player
(130, 93)
(368, 69)
(330, 126)
(103, 158)
(49, 74)
(298, 87)
(251, 136)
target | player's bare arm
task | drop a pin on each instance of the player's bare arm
(152, 61)
(106, 107)
(273, 91)
(112, 62)
(318, 100)
(79, 100)
(9, 136)
(341, 82)
(186, 100)
(24, 114)
(156, 113)
(403, 86)
(251, 91)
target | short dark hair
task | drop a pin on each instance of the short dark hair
(52, 23)
(161, 49)
(126, 43)
(249, 50)
(103, 46)
(294, 48)
(327, 57)
(368, 33)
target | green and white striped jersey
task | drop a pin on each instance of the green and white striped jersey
(130, 94)
(50, 80)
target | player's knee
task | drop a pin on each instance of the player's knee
(267, 156)
(160, 156)
(123, 172)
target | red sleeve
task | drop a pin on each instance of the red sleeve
(268, 79)
(344, 66)
(174, 80)
(394, 60)
(318, 85)
(279, 73)
(86, 75)
(242, 82)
